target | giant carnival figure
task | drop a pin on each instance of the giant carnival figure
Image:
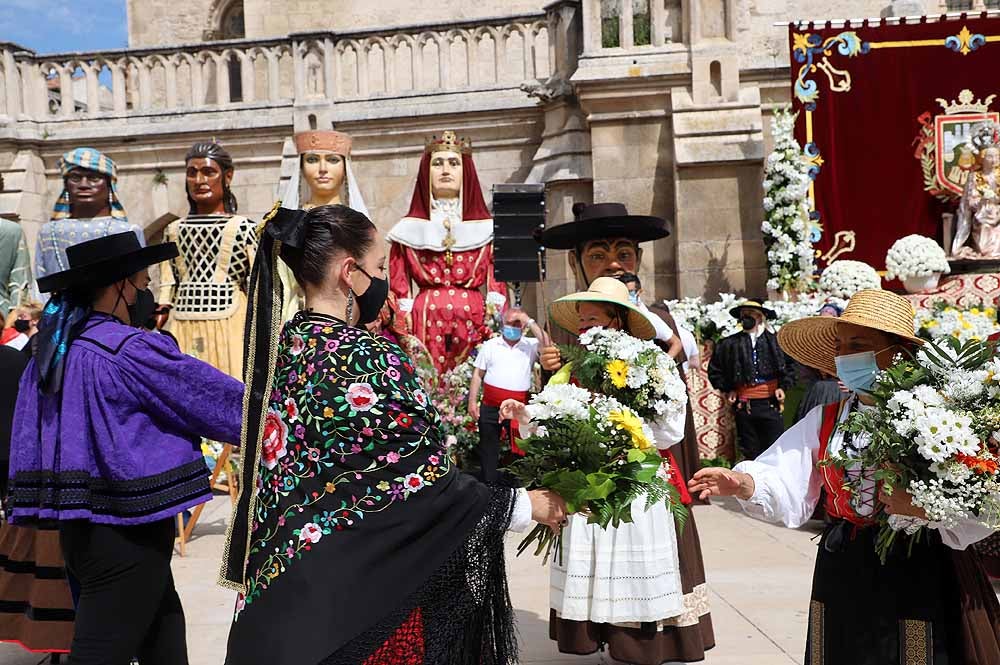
(206, 283)
(88, 208)
(323, 176)
(442, 253)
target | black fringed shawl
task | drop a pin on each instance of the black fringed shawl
(350, 511)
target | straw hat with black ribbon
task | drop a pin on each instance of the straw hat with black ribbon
(607, 290)
(813, 340)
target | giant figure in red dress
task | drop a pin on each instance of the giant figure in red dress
(442, 254)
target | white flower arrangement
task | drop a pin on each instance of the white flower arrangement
(787, 228)
(843, 279)
(944, 320)
(915, 256)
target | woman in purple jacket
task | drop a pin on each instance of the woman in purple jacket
(106, 444)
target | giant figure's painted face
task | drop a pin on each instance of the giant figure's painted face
(89, 192)
(446, 175)
(206, 185)
(609, 257)
(324, 172)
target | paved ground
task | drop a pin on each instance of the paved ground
(758, 575)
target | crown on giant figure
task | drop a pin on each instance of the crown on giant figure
(323, 141)
(448, 142)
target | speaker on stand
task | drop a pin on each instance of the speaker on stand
(518, 219)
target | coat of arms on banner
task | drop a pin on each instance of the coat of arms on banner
(944, 144)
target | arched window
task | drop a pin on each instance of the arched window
(232, 26)
(715, 76)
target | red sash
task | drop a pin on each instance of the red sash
(838, 497)
(675, 477)
(493, 396)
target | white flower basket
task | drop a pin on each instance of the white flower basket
(921, 284)
(916, 256)
(842, 279)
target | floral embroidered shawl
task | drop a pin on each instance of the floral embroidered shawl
(355, 503)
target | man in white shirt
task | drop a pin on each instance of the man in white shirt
(503, 369)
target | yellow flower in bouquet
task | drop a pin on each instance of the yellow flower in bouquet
(632, 424)
(618, 371)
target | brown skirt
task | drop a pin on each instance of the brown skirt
(684, 638)
(36, 605)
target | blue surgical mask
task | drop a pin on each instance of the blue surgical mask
(512, 333)
(857, 371)
(633, 297)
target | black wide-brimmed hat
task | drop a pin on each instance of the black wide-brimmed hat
(603, 220)
(104, 261)
(768, 313)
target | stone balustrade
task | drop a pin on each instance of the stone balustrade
(615, 26)
(313, 69)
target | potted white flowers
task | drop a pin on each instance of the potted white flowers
(917, 261)
(842, 279)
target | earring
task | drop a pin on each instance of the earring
(350, 306)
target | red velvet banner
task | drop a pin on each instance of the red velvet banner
(884, 113)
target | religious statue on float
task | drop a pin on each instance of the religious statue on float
(323, 177)
(977, 232)
(87, 208)
(441, 254)
(206, 284)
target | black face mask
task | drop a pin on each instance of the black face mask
(22, 326)
(370, 302)
(145, 305)
(748, 322)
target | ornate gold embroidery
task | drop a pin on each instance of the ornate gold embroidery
(816, 611)
(915, 643)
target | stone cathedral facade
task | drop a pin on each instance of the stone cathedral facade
(660, 104)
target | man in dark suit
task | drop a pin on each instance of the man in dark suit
(12, 364)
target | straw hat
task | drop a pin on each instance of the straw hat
(813, 340)
(603, 289)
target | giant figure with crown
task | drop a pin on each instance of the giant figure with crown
(441, 254)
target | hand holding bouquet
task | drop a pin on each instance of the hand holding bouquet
(933, 433)
(593, 451)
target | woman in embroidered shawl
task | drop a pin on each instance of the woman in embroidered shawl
(932, 606)
(355, 541)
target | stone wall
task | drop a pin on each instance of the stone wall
(154, 22)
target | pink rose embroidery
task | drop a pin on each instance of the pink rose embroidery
(298, 345)
(275, 439)
(433, 459)
(392, 457)
(310, 532)
(361, 397)
(292, 409)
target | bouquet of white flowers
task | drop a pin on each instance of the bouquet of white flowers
(596, 453)
(633, 371)
(944, 320)
(915, 256)
(934, 431)
(843, 279)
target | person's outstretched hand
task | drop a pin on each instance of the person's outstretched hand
(548, 508)
(511, 409)
(717, 481)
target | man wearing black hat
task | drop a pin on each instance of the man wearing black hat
(751, 370)
(603, 240)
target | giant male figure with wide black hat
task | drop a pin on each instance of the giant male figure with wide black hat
(105, 445)
(604, 241)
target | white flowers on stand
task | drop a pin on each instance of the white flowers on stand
(915, 256)
(845, 278)
(787, 227)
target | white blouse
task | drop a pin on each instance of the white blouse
(787, 483)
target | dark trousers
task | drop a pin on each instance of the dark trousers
(488, 451)
(758, 425)
(128, 605)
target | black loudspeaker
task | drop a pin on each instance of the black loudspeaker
(518, 219)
